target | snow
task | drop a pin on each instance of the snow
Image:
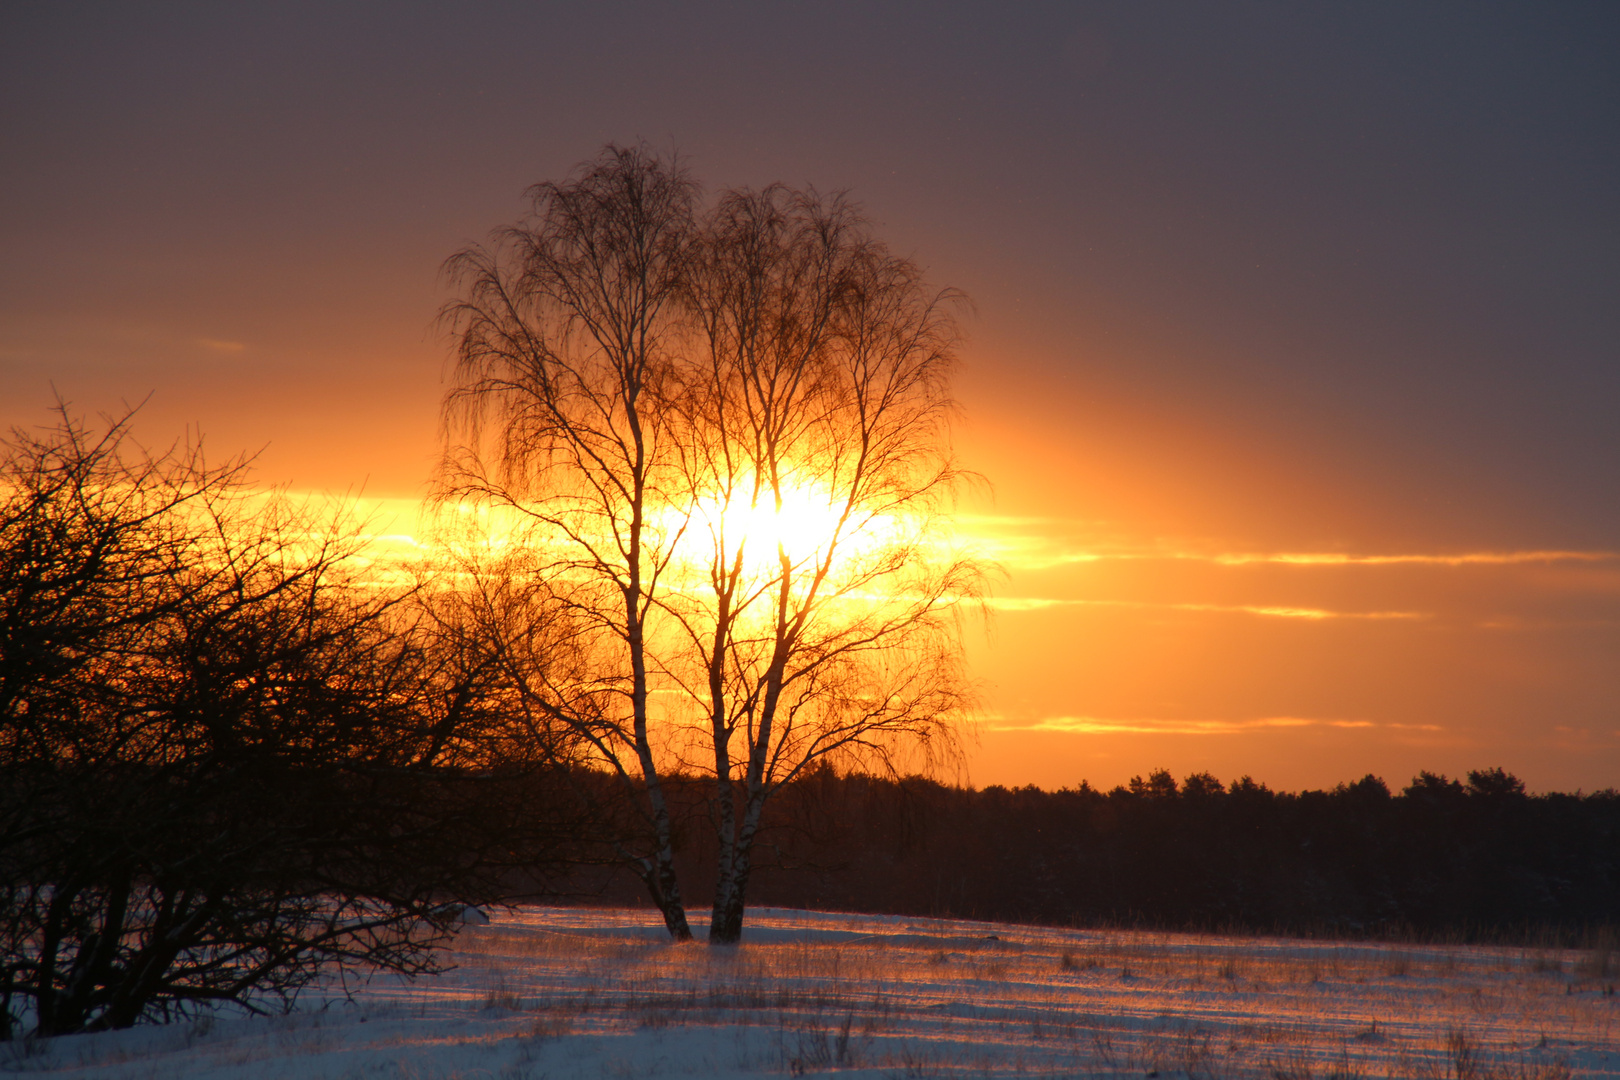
(572, 992)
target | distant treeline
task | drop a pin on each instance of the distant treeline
(1479, 858)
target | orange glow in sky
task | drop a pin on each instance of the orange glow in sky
(1291, 372)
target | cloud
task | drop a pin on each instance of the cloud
(1034, 603)
(1475, 558)
(1000, 537)
(219, 346)
(1509, 622)
(1093, 725)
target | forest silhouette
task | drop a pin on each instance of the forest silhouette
(1476, 859)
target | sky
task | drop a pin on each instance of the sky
(1292, 368)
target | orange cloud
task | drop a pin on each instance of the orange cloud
(1045, 543)
(1476, 558)
(1018, 554)
(1033, 603)
(1092, 725)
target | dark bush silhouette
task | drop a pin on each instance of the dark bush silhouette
(226, 762)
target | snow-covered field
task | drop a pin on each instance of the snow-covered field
(567, 992)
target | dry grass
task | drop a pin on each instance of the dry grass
(1599, 959)
(920, 996)
(569, 992)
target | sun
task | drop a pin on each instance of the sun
(808, 524)
(763, 525)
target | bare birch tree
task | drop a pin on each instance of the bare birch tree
(726, 442)
(564, 360)
(824, 398)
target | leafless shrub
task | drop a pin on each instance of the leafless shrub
(917, 1065)
(20, 1052)
(1197, 1058)
(550, 1026)
(818, 1048)
(1464, 1056)
(501, 995)
(1300, 1066)
(1554, 1068)
(230, 760)
(1102, 1045)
